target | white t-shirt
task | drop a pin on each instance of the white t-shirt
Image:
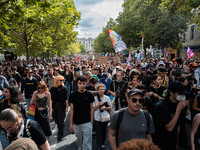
(97, 112)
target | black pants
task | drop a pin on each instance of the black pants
(59, 117)
(100, 133)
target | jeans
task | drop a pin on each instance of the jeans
(28, 100)
(100, 133)
(83, 133)
(67, 85)
(4, 140)
(59, 117)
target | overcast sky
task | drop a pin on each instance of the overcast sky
(95, 15)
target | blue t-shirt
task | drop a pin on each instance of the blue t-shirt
(107, 84)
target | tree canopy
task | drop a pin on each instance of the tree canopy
(33, 27)
(160, 25)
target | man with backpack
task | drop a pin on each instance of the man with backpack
(131, 122)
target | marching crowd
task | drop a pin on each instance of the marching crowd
(144, 102)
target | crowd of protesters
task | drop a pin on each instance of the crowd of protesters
(142, 99)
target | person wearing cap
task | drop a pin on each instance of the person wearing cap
(169, 117)
(29, 85)
(136, 123)
(106, 81)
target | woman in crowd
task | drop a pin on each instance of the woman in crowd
(12, 98)
(43, 112)
(101, 106)
(68, 75)
(156, 90)
(59, 105)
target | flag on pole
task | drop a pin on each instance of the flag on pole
(118, 43)
(93, 57)
(165, 52)
(189, 53)
(142, 50)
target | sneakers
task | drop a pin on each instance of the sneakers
(59, 138)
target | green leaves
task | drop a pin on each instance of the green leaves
(31, 27)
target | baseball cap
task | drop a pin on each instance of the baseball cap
(161, 63)
(176, 86)
(104, 76)
(134, 92)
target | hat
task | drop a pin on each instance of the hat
(29, 70)
(176, 86)
(193, 64)
(162, 70)
(161, 63)
(104, 76)
(134, 92)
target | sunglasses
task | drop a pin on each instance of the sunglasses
(61, 80)
(134, 100)
(40, 88)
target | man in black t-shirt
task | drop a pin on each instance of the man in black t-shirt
(169, 117)
(17, 127)
(81, 114)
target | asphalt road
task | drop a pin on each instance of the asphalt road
(69, 140)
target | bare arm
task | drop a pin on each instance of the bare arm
(66, 109)
(91, 112)
(71, 113)
(45, 146)
(111, 137)
(50, 106)
(195, 125)
(33, 98)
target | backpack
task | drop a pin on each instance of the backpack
(119, 121)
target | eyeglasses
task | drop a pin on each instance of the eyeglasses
(40, 88)
(61, 80)
(134, 100)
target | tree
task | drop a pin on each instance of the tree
(83, 48)
(103, 43)
(38, 28)
(73, 48)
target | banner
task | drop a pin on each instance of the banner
(142, 50)
(165, 52)
(102, 60)
(118, 43)
(189, 53)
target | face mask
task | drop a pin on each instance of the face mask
(180, 97)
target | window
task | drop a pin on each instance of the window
(192, 32)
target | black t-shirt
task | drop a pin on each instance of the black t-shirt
(59, 95)
(162, 115)
(81, 104)
(119, 88)
(33, 131)
(158, 91)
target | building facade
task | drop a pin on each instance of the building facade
(88, 42)
(192, 40)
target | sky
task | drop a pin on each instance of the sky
(95, 14)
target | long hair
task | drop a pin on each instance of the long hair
(16, 96)
(42, 83)
(57, 80)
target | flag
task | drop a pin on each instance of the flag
(142, 50)
(118, 43)
(165, 52)
(93, 57)
(189, 53)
